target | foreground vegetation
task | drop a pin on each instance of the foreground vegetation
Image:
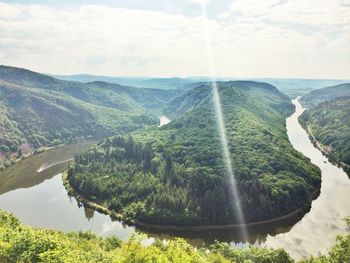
(20, 243)
(328, 123)
(176, 175)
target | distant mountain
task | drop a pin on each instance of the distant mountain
(141, 82)
(300, 86)
(176, 175)
(38, 110)
(317, 96)
(290, 86)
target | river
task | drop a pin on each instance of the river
(33, 191)
(163, 120)
(317, 230)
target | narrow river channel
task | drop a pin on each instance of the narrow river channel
(33, 191)
(317, 230)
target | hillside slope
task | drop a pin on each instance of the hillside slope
(176, 174)
(38, 110)
(44, 118)
(328, 123)
(97, 92)
(319, 95)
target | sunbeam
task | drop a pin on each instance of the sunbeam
(233, 190)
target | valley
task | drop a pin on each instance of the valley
(25, 201)
(191, 131)
(117, 150)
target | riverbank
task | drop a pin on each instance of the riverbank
(92, 205)
(15, 159)
(326, 150)
(298, 213)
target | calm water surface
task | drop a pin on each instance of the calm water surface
(36, 195)
(39, 199)
(316, 231)
(163, 120)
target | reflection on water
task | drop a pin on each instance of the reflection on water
(25, 173)
(40, 200)
(33, 190)
(46, 166)
(316, 232)
(48, 205)
(256, 235)
(163, 120)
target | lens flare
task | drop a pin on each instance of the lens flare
(233, 189)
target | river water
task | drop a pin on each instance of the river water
(33, 191)
(163, 120)
(317, 230)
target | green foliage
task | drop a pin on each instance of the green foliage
(20, 243)
(23, 244)
(252, 254)
(176, 174)
(329, 124)
(10, 134)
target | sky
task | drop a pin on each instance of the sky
(249, 38)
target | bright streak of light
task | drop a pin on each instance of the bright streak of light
(235, 202)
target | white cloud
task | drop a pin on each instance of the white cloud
(253, 7)
(205, 2)
(268, 38)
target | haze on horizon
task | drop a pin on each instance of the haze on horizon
(251, 38)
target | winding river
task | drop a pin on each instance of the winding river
(317, 230)
(33, 191)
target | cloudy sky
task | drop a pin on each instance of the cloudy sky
(249, 38)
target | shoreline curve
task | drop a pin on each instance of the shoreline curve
(194, 228)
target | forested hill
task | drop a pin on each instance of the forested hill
(329, 124)
(317, 96)
(183, 103)
(176, 174)
(97, 92)
(37, 110)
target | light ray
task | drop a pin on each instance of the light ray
(233, 189)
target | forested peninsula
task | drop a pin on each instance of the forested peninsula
(176, 175)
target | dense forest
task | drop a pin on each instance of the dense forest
(176, 174)
(328, 124)
(37, 110)
(20, 243)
